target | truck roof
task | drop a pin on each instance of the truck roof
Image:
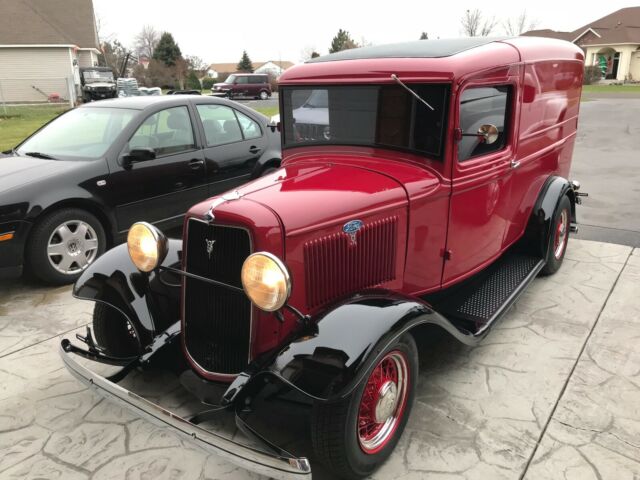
(428, 60)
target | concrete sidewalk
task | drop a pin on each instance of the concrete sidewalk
(552, 392)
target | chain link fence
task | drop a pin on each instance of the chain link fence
(37, 91)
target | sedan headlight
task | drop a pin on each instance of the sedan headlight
(266, 281)
(147, 246)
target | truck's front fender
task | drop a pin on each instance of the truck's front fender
(331, 358)
(151, 302)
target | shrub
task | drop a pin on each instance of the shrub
(207, 83)
(192, 82)
(592, 74)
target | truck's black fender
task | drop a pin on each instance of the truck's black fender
(540, 222)
(151, 302)
(331, 358)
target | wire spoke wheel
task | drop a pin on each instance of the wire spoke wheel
(72, 247)
(560, 238)
(383, 402)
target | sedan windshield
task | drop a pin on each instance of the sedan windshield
(368, 115)
(83, 133)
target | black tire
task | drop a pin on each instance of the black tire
(37, 257)
(113, 332)
(557, 247)
(334, 426)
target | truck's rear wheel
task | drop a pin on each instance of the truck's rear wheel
(558, 237)
(354, 436)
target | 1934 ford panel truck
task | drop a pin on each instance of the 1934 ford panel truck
(423, 183)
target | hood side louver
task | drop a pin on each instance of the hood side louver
(334, 266)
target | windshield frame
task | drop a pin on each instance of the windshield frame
(446, 106)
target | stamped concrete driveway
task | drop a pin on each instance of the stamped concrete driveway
(553, 392)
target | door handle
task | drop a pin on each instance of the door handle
(254, 150)
(196, 163)
(515, 164)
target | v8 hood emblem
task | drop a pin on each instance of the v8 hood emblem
(209, 244)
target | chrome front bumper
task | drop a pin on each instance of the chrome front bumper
(245, 456)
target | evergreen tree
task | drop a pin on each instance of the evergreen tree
(314, 54)
(245, 65)
(192, 82)
(167, 50)
(342, 41)
(424, 36)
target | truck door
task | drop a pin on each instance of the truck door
(479, 205)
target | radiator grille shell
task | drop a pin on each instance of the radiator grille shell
(217, 320)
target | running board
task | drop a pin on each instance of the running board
(478, 303)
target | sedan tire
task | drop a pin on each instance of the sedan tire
(63, 244)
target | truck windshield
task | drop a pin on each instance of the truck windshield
(368, 115)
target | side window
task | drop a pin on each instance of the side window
(242, 80)
(220, 124)
(250, 129)
(167, 132)
(480, 106)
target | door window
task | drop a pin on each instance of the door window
(250, 129)
(242, 80)
(167, 132)
(480, 106)
(220, 124)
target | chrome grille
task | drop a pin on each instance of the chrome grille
(217, 320)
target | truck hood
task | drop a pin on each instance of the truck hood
(313, 196)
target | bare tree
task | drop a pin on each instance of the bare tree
(146, 41)
(474, 24)
(518, 25)
(196, 63)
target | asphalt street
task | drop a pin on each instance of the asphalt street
(605, 161)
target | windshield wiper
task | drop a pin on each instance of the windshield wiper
(401, 83)
(40, 155)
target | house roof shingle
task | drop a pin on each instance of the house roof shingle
(48, 22)
(621, 26)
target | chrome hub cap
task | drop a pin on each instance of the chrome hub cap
(72, 247)
(383, 402)
(387, 400)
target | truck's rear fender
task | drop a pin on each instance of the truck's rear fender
(150, 302)
(541, 219)
(330, 359)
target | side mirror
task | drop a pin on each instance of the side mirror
(488, 134)
(139, 155)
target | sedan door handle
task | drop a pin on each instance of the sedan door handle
(196, 163)
(254, 150)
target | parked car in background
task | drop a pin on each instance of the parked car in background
(97, 83)
(435, 198)
(251, 85)
(73, 188)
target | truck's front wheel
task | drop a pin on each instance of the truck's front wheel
(354, 436)
(113, 332)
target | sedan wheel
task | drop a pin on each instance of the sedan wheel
(72, 246)
(63, 244)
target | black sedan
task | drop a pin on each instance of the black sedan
(73, 188)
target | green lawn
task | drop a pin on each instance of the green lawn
(630, 89)
(16, 123)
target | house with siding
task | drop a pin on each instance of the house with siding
(271, 67)
(43, 45)
(611, 43)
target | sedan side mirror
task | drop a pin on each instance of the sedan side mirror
(139, 155)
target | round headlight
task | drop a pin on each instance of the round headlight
(266, 281)
(147, 246)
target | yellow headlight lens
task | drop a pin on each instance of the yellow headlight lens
(147, 246)
(266, 281)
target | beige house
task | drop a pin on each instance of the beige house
(612, 41)
(271, 67)
(43, 45)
